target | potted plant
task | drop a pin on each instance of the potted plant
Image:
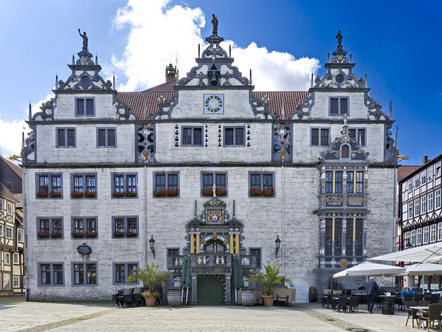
(269, 280)
(90, 194)
(76, 194)
(151, 277)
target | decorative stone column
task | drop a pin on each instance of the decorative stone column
(192, 243)
(228, 289)
(194, 289)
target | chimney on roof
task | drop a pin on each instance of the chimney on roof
(425, 160)
(170, 73)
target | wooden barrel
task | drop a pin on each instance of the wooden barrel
(174, 297)
(248, 297)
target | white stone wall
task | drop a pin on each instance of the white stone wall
(65, 106)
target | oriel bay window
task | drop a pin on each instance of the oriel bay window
(166, 184)
(355, 182)
(333, 181)
(84, 273)
(337, 238)
(125, 226)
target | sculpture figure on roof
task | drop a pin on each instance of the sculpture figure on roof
(215, 24)
(84, 39)
(339, 38)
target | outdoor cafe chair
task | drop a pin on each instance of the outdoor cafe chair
(423, 303)
(419, 297)
(430, 316)
(128, 297)
(138, 300)
(342, 303)
(353, 304)
(411, 313)
(408, 297)
(435, 298)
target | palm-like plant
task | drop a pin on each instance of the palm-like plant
(270, 279)
(150, 276)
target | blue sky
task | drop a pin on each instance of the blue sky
(398, 44)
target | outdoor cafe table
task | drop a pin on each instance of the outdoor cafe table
(387, 304)
(419, 308)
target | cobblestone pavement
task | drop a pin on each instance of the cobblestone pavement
(18, 315)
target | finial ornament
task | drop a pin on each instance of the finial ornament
(339, 38)
(215, 25)
(84, 39)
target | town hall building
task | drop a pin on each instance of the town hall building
(208, 167)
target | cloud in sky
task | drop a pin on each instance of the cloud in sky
(159, 33)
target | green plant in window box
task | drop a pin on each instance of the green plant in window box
(91, 234)
(42, 193)
(77, 234)
(118, 194)
(90, 194)
(268, 192)
(173, 192)
(130, 193)
(255, 192)
(76, 194)
(207, 192)
(55, 194)
(131, 234)
(43, 235)
(160, 193)
(221, 192)
(56, 235)
(118, 234)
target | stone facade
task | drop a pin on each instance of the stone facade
(209, 171)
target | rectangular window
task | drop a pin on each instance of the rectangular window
(50, 274)
(47, 183)
(256, 256)
(423, 178)
(7, 258)
(319, 136)
(433, 233)
(430, 202)
(106, 138)
(419, 236)
(6, 281)
(358, 134)
(338, 106)
(84, 107)
(209, 179)
(328, 237)
(1, 230)
(1, 204)
(16, 282)
(328, 182)
(333, 182)
(413, 237)
(20, 236)
(9, 208)
(416, 207)
(86, 226)
(124, 185)
(338, 236)
(66, 138)
(359, 229)
(9, 233)
(166, 183)
(410, 185)
(437, 171)
(424, 204)
(439, 231)
(338, 182)
(410, 210)
(192, 136)
(261, 184)
(84, 273)
(437, 199)
(16, 258)
(125, 226)
(430, 174)
(122, 271)
(425, 235)
(85, 183)
(416, 182)
(49, 228)
(234, 136)
(349, 237)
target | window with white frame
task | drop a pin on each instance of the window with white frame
(439, 231)
(84, 273)
(358, 134)
(6, 284)
(106, 138)
(9, 233)
(416, 182)
(410, 210)
(16, 258)
(20, 235)
(16, 282)
(407, 238)
(416, 207)
(122, 271)
(410, 185)
(423, 178)
(10, 208)
(50, 274)
(66, 138)
(437, 199)
(433, 232)
(437, 171)
(425, 236)
(338, 106)
(430, 202)
(419, 236)
(7, 258)
(413, 237)
(1, 204)
(1, 230)
(424, 204)
(430, 174)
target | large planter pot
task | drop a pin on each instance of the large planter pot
(150, 301)
(174, 297)
(248, 297)
(268, 300)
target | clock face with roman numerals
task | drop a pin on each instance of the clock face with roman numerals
(214, 104)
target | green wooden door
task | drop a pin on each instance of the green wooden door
(210, 290)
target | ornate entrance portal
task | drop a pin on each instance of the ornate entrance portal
(210, 290)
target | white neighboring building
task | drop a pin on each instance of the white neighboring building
(107, 171)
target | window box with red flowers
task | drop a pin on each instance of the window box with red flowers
(173, 192)
(130, 194)
(160, 193)
(42, 194)
(77, 235)
(56, 235)
(76, 194)
(269, 192)
(131, 234)
(118, 194)
(43, 235)
(218, 191)
(255, 192)
(90, 234)
(118, 234)
(55, 194)
(90, 194)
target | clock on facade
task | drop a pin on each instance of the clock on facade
(214, 104)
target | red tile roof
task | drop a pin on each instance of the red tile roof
(149, 98)
(404, 170)
(11, 165)
(6, 193)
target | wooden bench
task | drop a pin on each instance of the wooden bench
(284, 295)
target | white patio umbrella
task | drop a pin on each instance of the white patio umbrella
(413, 255)
(427, 269)
(367, 269)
